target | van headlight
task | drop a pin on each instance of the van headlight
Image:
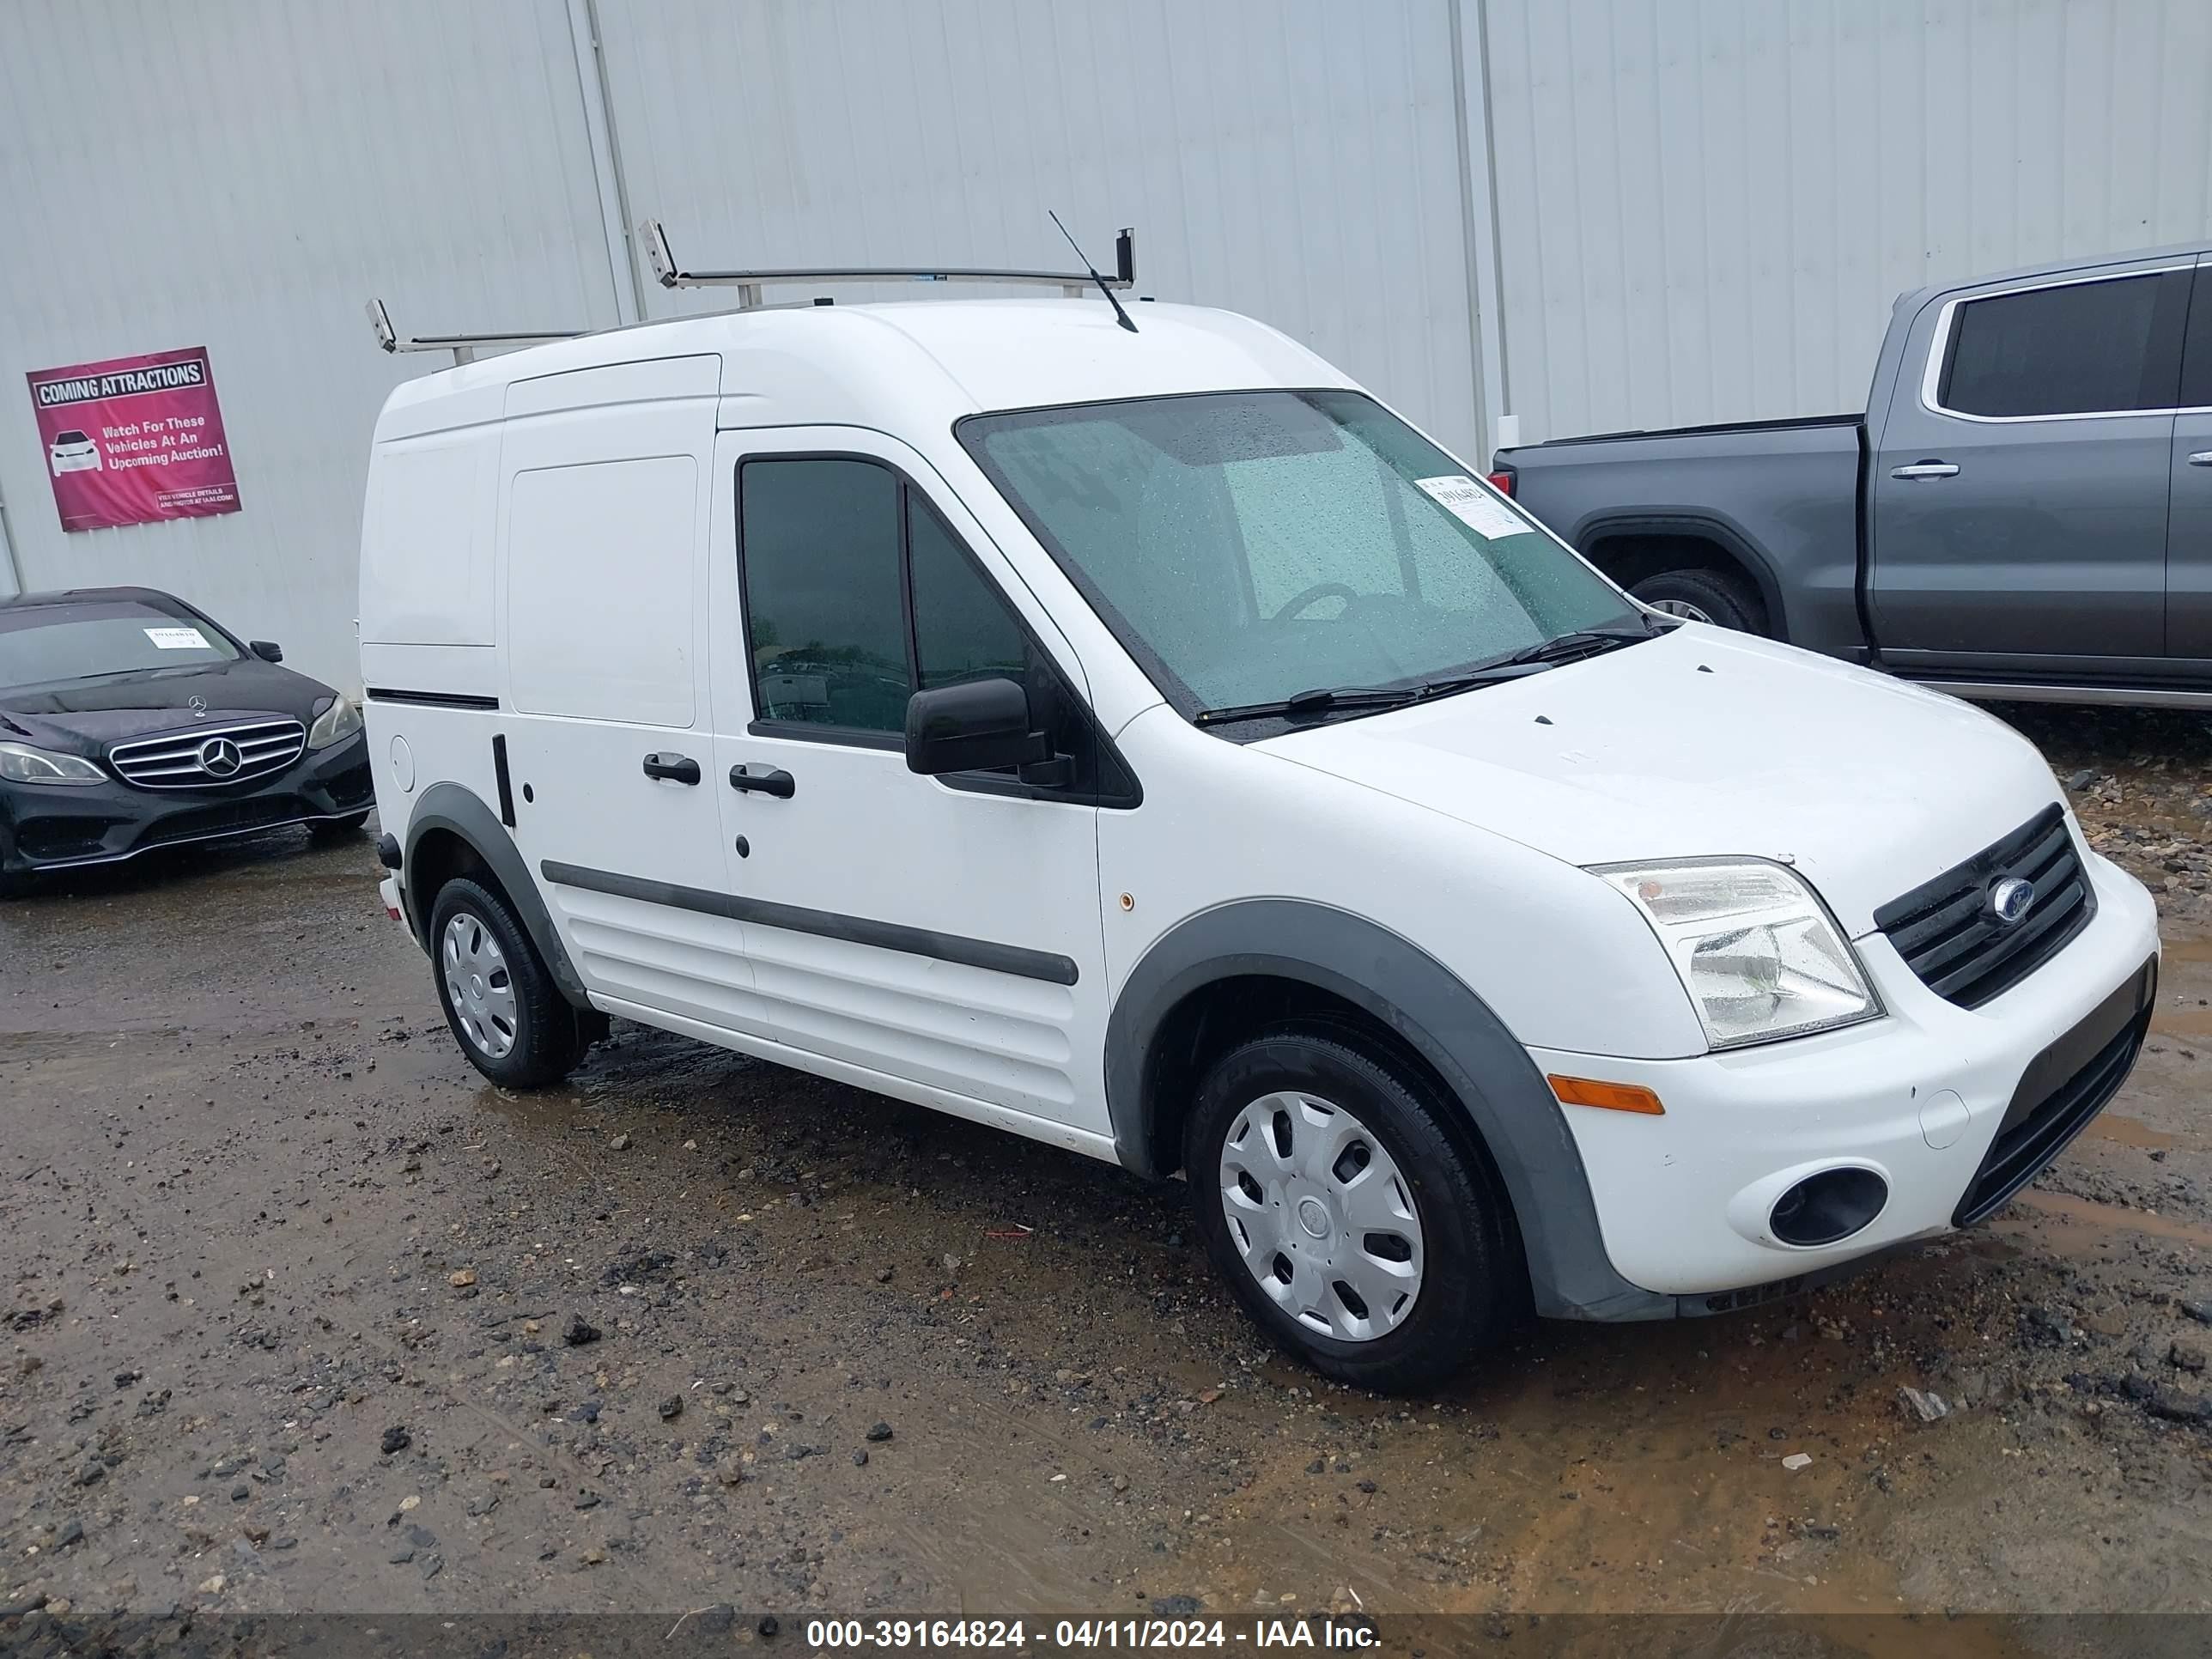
(340, 719)
(1757, 951)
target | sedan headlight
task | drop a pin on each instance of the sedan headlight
(1757, 951)
(340, 719)
(20, 763)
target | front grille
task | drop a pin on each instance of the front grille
(1945, 932)
(2042, 1117)
(210, 757)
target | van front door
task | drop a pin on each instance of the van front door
(606, 480)
(940, 938)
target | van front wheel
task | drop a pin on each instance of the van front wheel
(504, 1009)
(1351, 1224)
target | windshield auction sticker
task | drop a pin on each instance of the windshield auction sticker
(1464, 499)
(134, 439)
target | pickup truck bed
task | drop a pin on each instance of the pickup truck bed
(1642, 505)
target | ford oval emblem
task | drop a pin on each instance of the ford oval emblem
(2009, 900)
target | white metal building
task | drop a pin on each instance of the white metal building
(1590, 213)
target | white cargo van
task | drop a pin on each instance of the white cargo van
(1147, 742)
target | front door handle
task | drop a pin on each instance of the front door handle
(1926, 469)
(2201, 457)
(676, 768)
(778, 783)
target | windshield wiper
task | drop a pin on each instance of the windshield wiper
(1323, 700)
(1582, 643)
(1518, 665)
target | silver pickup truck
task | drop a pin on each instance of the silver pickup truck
(2024, 509)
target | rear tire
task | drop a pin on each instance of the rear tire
(1707, 596)
(502, 1006)
(1283, 1149)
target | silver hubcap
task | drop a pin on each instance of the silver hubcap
(1681, 608)
(479, 987)
(1321, 1217)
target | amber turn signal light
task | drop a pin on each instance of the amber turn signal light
(1612, 1096)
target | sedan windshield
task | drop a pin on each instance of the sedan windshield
(1249, 547)
(43, 644)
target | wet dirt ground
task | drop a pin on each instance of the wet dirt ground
(291, 1291)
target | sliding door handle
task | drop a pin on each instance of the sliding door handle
(778, 783)
(2201, 457)
(676, 768)
(1926, 469)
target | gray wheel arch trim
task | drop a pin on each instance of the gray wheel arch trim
(1447, 1024)
(450, 807)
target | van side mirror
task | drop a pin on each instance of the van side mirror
(267, 650)
(976, 726)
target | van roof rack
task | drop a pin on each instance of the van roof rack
(748, 283)
(464, 347)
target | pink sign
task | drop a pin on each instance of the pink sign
(134, 439)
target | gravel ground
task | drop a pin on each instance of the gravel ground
(301, 1316)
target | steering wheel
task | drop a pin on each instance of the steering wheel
(1313, 596)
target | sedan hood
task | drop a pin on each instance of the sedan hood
(84, 716)
(1704, 743)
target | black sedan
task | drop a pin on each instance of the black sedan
(130, 720)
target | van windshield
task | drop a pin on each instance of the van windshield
(1248, 547)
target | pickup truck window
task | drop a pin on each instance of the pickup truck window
(2099, 347)
(1248, 546)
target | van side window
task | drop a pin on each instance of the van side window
(963, 629)
(858, 594)
(822, 600)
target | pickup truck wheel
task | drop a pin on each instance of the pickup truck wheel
(504, 1009)
(1347, 1221)
(1705, 596)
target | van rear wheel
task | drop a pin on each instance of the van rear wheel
(1351, 1223)
(502, 1006)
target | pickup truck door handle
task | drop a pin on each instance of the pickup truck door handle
(676, 768)
(778, 783)
(2201, 457)
(1926, 469)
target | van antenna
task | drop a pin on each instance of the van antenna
(1121, 315)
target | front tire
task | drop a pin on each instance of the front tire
(1352, 1222)
(502, 1006)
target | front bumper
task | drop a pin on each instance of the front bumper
(1921, 1097)
(45, 828)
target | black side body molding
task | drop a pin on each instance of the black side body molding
(430, 699)
(1431, 1010)
(450, 807)
(829, 924)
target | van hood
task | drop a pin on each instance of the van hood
(1703, 743)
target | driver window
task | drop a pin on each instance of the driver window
(819, 542)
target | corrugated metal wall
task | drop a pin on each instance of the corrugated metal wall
(1705, 206)
(242, 176)
(1298, 160)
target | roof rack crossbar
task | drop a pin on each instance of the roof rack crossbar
(748, 283)
(464, 347)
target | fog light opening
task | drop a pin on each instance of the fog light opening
(1828, 1208)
